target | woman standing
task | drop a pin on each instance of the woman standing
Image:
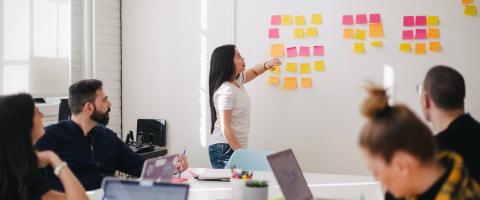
(229, 102)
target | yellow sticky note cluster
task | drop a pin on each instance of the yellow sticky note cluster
(366, 26)
(359, 48)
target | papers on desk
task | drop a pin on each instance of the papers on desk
(215, 175)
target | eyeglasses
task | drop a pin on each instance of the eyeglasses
(419, 88)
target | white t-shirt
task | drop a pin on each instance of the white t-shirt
(230, 97)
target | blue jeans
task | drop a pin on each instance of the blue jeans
(219, 155)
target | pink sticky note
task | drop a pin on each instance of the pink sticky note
(421, 20)
(276, 20)
(318, 51)
(273, 33)
(347, 20)
(305, 51)
(408, 21)
(361, 19)
(292, 51)
(420, 34)
(375, 18)
(407, 35)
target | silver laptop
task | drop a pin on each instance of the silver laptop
(116, 189)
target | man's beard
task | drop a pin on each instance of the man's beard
(99, 117)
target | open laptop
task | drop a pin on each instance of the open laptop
(159, 169)
(116, 189)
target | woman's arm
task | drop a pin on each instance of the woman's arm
(226, 123)
(260, 68)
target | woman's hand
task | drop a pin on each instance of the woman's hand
(272, 63)
(47, 158)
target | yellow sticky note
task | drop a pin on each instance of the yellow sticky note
(306, 82)
(420, 48)
(375, 30)
(360, 34)
(348, 33)
(317, 19)
(376, 43)
(276, 70)
(359, 48)
(273, 80)
(312, 32)
(435, 46)
(289, 83)
(433, 33)
(319, 66)
(305, 68)
(299, 20)
(299, 33)
(470, 10)
(433, 20)
(286, 20)
(277, 50)
(405, 47)
(291, 67)
(467, 1)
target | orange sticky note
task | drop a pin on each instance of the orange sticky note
(286, 20)
(470, 10)
(289, 83)
(312, 32)
(317, 19)
(435, 46)
(375, 30)
(276, 70)
(359, 48)
(360, 34)
(291, 67)
(433, 33)
(319, 66)
(305, 68)
(433, 20)
(299, 20)
(405, 47)
(273, 80)
(277, 50)
(299, 33)
(420, 48)
(306, 82)
(348, 33)
(467, 1)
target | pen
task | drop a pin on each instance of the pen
(181, 162)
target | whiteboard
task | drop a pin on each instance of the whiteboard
(322, 124)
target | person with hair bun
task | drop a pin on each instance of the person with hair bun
(400, 150)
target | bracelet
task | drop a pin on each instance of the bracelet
(264, 65)
(59, 168)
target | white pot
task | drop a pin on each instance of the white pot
(254, 193)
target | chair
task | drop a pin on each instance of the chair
(64, 112)
(251, 160)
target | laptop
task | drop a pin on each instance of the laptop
(159, 169)
(116, 189)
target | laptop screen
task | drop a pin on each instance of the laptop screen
(115, 189)
(289, 176)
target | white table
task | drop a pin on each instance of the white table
(326, 186)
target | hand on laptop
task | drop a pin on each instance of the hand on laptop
(182, 164)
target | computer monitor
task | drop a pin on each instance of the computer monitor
(153, 131)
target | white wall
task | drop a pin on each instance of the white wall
(166, 55)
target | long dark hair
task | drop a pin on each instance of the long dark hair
(222, 69)
(17, 157)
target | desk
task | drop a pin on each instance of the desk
(322, 186)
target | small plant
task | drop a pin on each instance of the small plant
(257, 184)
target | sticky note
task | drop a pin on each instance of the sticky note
(277, 50)
(299, 33)
(319, 65)
(359, 48)
(305, 51)
(420, 48)
(376, 43)
(421, 20)
(291, 67)
(467, 1)
(276, 70)
(317, 19)
(347, 20)
(360, 34)
(375, 30)
(420, 34)
(312, 32)
(276, 20)
(306, 82)
(289, 83)
(375, 18)
(433, 33)
(435, 46)
(286, 20)
(433, 20)
(405, 47)
(299, 20)
(361, 19)
(273, 33)
(348, 33)
(273, 80)
(318, 50)
(408, 21)
(305, 68)
(470, 10)
(407, 35)
(292, 52)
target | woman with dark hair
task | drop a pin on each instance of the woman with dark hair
(229, 102)
(20, 175)
(400, 150)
